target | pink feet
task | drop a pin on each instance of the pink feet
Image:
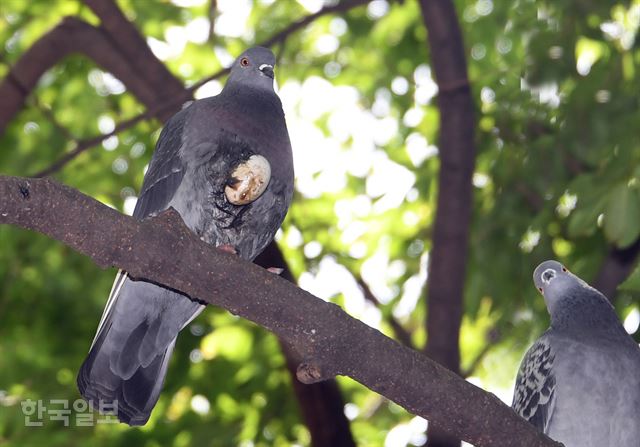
(228, 248)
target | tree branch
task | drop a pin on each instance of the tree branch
(281, 36)
(400, 332)
(330, 341)
(71, 35)
(213, 14)
(492, 338)
(132, 45)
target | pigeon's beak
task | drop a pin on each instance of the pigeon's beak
(267, 70)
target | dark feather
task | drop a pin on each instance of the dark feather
(534, 395)
(128, 359)
(166, 169)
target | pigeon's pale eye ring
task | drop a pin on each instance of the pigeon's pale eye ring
(540, 289)
(548, 275)
(244, 62)
(564, 269)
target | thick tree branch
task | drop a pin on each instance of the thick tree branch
(448, 257)
(128, 40)
(457, 154)
(330, 341)
(72, 35)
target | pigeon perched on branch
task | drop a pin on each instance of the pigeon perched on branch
(580, 381)
(224, 163)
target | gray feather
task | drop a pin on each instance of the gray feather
(166, 169)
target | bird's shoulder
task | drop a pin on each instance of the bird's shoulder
(534, 394)
(166, 169)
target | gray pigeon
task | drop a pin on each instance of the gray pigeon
(224, 163)
(579, 382)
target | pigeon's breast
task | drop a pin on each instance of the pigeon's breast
(203, 204)
(597, 398)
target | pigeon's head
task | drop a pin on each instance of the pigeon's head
(253, 68)
(553, 281)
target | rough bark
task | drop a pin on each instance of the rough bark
(330, 341)
(447, 260)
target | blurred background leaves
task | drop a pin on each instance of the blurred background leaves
(557, 176)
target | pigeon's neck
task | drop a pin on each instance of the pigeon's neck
(584, 311)
(253, 100)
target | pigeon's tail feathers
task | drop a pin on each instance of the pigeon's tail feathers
(126, 366)
(131, 399)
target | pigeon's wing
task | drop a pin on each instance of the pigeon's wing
(166, 169)
(161, 181)
(130, 352)
(534, 395)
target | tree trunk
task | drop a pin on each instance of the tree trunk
(447, 260)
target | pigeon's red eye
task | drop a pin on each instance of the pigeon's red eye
(540, 289)
(244, 62)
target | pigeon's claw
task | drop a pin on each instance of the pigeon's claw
(228, 248)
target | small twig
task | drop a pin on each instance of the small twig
(83, 145)
(213, 13)
(493, 337)
(46, 111)
(295, 26)
(400, 332)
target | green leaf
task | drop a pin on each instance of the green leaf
(632, 283)
(621, 216)
(584, 221)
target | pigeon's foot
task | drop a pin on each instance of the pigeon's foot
(228, 248)
(275, 270)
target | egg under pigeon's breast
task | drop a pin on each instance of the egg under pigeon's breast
(209, 212)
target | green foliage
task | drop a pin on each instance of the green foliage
(555, 86)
